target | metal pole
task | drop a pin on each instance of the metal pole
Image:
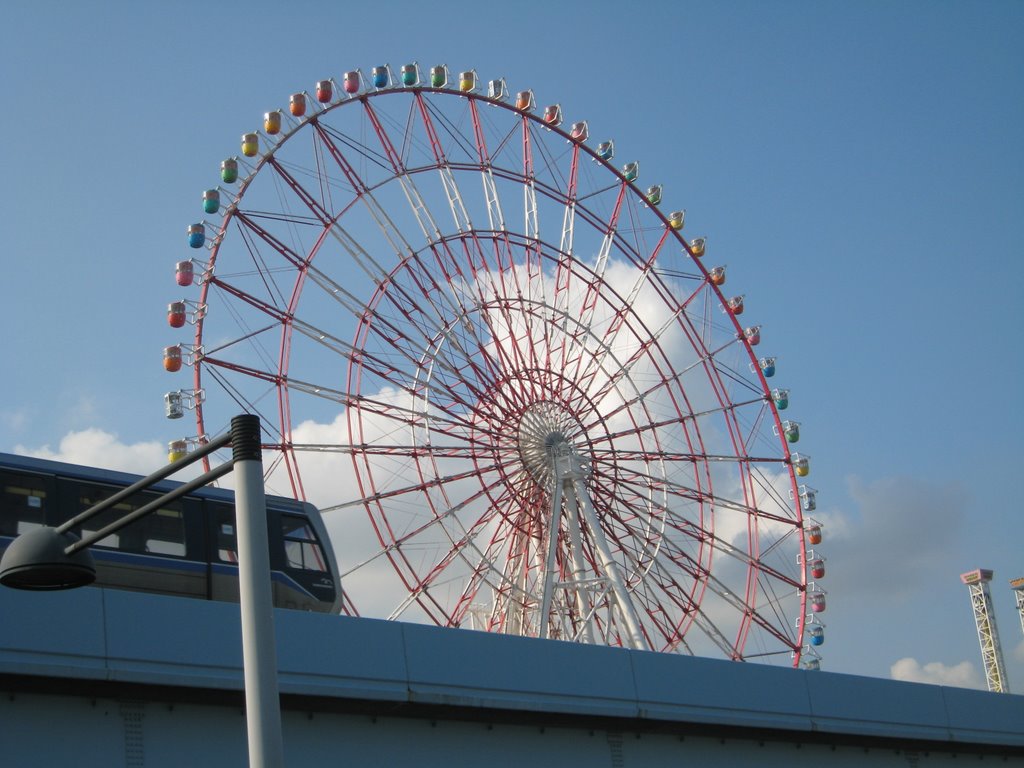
(259, 654)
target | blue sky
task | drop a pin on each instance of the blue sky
(858, 166)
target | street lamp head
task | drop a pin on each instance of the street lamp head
(37, 560)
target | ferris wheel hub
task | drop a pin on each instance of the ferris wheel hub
(543, 429)
(555, 439)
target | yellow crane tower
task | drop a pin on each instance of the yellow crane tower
(991, 654)
(1018, 589)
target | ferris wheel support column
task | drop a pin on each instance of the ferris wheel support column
(550, 574)
(570, 467)
(579, 572)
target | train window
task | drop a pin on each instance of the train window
(159, 533)
(24, 504)
(226, 542)
(301, 548)
(164, 532)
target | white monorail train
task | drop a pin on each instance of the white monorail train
(186, 547)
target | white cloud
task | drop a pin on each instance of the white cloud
(432, 503)
(422, 461)
(962, 675)
(97, 448)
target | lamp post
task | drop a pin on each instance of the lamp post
(55, 558)
(259, 655)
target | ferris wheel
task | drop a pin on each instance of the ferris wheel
(515, 390)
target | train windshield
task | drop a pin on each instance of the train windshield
(301, 548)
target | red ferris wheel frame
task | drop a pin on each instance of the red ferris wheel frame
(538, 383)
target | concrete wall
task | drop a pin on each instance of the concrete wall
(111, 678)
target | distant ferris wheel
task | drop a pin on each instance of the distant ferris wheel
(468, 331)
